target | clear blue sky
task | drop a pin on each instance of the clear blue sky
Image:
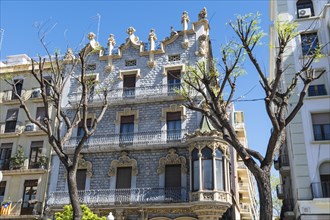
(74, 19)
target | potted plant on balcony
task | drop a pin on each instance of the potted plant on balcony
(17, 161)
(43, 162)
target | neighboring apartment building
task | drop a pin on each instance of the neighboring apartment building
(24, 183)
(304, 161)
(140, 164)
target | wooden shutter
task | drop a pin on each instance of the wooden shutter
(173, 116)
(81, 179)
(127, 119)
(124, 176)
(129, 81)
(12, 114)
(173, 176)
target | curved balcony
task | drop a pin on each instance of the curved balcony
(103, 197)
(135, 139)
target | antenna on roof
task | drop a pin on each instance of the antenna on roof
(2, 32)
(98, 26)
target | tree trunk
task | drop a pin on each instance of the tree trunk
(73, 193)
(265, 196)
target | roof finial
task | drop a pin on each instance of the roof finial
(202, 14)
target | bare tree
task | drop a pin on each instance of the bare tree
(53, 75)
(217, 89)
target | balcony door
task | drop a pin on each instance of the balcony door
(81, 179)
(126, 129)
(123, 184)
(11, 120)
(29, 197)
(173, 182)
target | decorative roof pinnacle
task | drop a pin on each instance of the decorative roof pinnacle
(111, 40)
(202, 14)
(152, 35)
(184, 17)
(130, 31)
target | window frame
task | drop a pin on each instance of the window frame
(309, 48)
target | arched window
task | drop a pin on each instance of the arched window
(195, 167)
(305, 8)
(207, 169)
(219, 169)
(325, 179)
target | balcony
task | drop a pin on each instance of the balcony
(123, 197)
(287, 209)
(9, 97)
(10, 129)
(126, 139)
(17, 212)
(282, 164)
(210, 195)
(280, 191)
(137, 93)
(321, 189)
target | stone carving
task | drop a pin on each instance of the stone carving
(91, 37)
(202, 14)
(69, 55)
(172, 158)
(111, 40)
(202, 46)
(130, 31)
(185, 17)
(83, 164)
(123, 161)
(173, 32)
(152, 35)
(213, 144)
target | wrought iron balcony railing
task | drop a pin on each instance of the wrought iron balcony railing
(138, 138)
(121, 196)
(137, 92)
(321, 189)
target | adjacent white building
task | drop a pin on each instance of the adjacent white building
(304, 161)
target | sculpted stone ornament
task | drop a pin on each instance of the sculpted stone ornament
(111, 40)
(91, 37)
(202, 47)
(83, 164)
(151, 64)
(185, 17)
(130, 31)
(152, 35)
(172, 158)
(123, 161)
(69, 55)
(202, 14)
(173, 32)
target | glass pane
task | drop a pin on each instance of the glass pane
(207, 174)
(326, 129)
(196, 175)
(218, 153)
(219, 173)
(207, 153)
(317, 132)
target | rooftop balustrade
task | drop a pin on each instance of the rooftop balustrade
(121, 196)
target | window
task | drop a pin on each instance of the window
(5, 154)
(305, 8)
(11, 120)
(130, 62)
(81, 130)
(35, 153)
(309, 43)
(129, 85)
(195, 173)
(2, 190)
(325, 179)
(317, 87)
(173, 122)
(29, 196)
(207, 169)
(207, 159)
(40, 115)
(173, 81)
(127, 129)
(18, 87)
(81, 179)
(174, 57)
(321, 126)
(91, 84)
(47, 82)
(91, 67)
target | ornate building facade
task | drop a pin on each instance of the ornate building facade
(24, 149)
(304, 160)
